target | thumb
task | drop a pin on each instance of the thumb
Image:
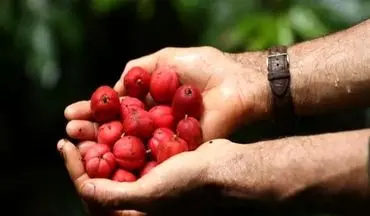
(116, 195)
(148, 62)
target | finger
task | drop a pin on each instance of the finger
(82, 129)
(127, 213)
(73, 162)
(147, 62)
(78, 175)
(79, 110)
(84, 146)
(115, 195)
(94, 210)
(148, 192)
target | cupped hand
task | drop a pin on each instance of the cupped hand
(232, 92)
(177, 186)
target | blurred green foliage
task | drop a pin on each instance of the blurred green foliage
(48, 41)
(229, 25)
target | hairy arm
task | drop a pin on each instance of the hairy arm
(330, 72)
(327, 172)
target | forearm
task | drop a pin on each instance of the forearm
(331, 72)
(322, 171)
(316, 172)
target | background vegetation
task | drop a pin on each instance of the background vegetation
(55, 52)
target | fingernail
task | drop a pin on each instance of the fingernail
(60, 147)
(67, 111)
(61, 144)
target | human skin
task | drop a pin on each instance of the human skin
(332, 72)
(327, 73)
(303, 170)
(216, 74)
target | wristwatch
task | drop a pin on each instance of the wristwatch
(279, 79)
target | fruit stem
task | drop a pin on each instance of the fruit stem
(188, 91)
(186, 116)
(174, 137)
(139, 81)
(105, 99)
(123, 134)
(148, 151)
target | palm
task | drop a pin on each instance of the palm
(220, 80)
(219, 77)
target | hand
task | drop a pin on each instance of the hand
(168, 187)
(232, 93)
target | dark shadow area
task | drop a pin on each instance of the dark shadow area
(33, 179)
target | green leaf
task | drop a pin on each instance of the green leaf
(146, 9)
(305, 22)
(105, 6)
(285, 35)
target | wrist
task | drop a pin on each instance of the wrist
(261, 171)
(261, 90)
(257, 90)
(236, 171)
(266, 102)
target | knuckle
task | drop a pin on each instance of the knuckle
(167, 50)
(209, 49)
(131, 63)
(214, 143)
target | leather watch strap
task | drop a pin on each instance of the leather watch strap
(279, 79)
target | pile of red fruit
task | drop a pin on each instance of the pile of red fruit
(132, 137)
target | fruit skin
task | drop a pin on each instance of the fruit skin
(162, 116)
(187, 101)
(121, 175)
(136, 82)
(131, 101)
(127, 102)
(138, 123)
(99, 161)
(163, 84)
(85, 146)
(159, 135)
(172, 147)
(130, 153)
(109, 133)
(105, 104)
(189, 129)
(148, 167)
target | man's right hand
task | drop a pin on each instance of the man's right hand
(233, 92)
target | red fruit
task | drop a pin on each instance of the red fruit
(122, 175)
(131, 101)
(130, 153)
(105, 104)
(84, 146)
(99, 161)
(138, 123)
(187, 101)
(189, 129)
(174, 146)
(159, 135)
(162, 116)
(148, 167)
(127, 102)
(136, 82)
(163, 84)
(126, 110)
(110, 132)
